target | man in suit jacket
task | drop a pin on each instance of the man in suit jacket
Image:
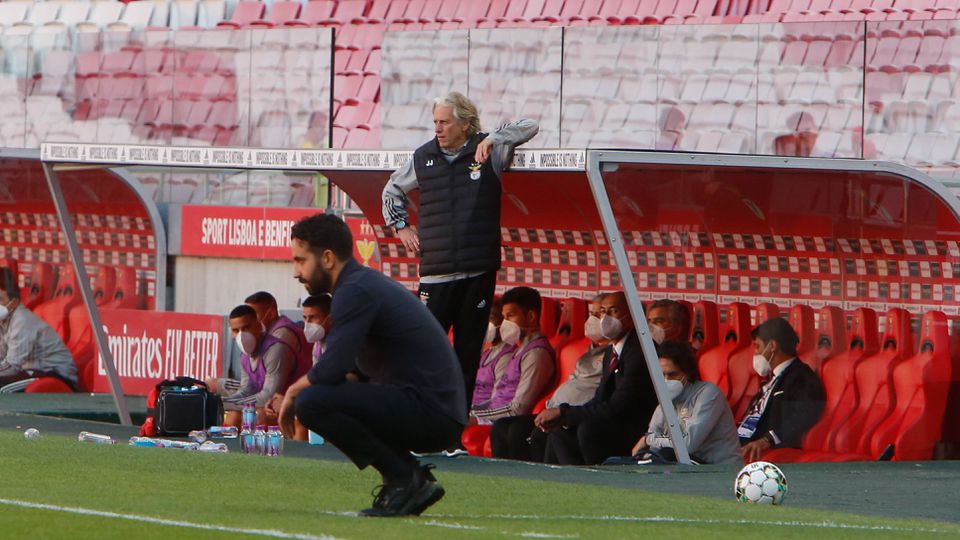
(788, 403)
(620, 410)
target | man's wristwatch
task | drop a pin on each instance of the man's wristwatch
(399, 226)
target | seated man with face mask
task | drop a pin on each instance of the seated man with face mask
(616, 416)
(317, 322)
(529, 372)
(29, 347)
(280, 326)
(791, 397)
(669, 321)
(269, 365)
(493, 361)
(705, 417)
(515, 437)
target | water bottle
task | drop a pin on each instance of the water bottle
(223, 432)
(260, 440)
(213, 447)
(314, 438)
(86, 436)
(198, 436)
(247, 442)
(274, 441)
(249, 417)
(146, 442)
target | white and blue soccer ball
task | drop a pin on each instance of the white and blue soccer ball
(760, 482)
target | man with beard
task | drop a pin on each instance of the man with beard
(414, 400)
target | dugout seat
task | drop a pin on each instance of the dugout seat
(704, 320)
(81, 344)
(549, 315)
(831, 337)
(56, 310)
(802, 319)
(573, 314)
(42, 282)
(714, 363)
(744, 381)
(920, 386)
(874, 381)
(125, 294)
(838, 376)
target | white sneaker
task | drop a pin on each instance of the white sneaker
(456, 452)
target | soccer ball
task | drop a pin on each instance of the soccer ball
(760, 482)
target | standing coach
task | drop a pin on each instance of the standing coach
(458, 175)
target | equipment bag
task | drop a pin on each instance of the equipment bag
(181, 406)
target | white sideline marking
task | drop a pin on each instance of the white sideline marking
(694, 521)
(160, 521)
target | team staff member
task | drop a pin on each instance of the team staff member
(414, 399)
(458, 175)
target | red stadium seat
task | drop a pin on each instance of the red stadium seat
(245, 13)
(831, 337)
(81, 343)
(573, 314)
(11, 264)
(568, 357)
(704, 322)
(41, 288)
(475, 439)
(802, 320)
(281, 13)
(714, 362)
(549, 316)
(56, 310)
(125, 295)
(744, 381)
(874, 379)
(920, 388)
(316, 12)
(48, 385)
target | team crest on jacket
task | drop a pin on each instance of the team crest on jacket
(474, 170)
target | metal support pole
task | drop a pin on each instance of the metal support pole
(83, 281)
(615, 241)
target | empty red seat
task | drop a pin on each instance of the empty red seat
(920, 386)
(41, 286)
(316, 12)
(48, 385)
(549, 316)
(81, 343)
(244, 14)
(281, 13)
(704, 322)
(831, 337)
(874, 380)
(56, 310)
(839, 382)
(573, 313)
(802, 320)
(714, 363)
(125, 295)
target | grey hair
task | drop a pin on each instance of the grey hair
(463, 110)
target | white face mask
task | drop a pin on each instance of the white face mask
(761, 365)
(510, 332)
(674, 387)
(314, 332)
(247, 342)
(591, 329)
(658, 334)
(4, 312)
(491, 333)
(611, 327)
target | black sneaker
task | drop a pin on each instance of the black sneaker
(403, 500)
(438, 494)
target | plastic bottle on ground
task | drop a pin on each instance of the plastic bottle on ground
(97, 438)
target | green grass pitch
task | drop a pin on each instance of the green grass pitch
(56, 487)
